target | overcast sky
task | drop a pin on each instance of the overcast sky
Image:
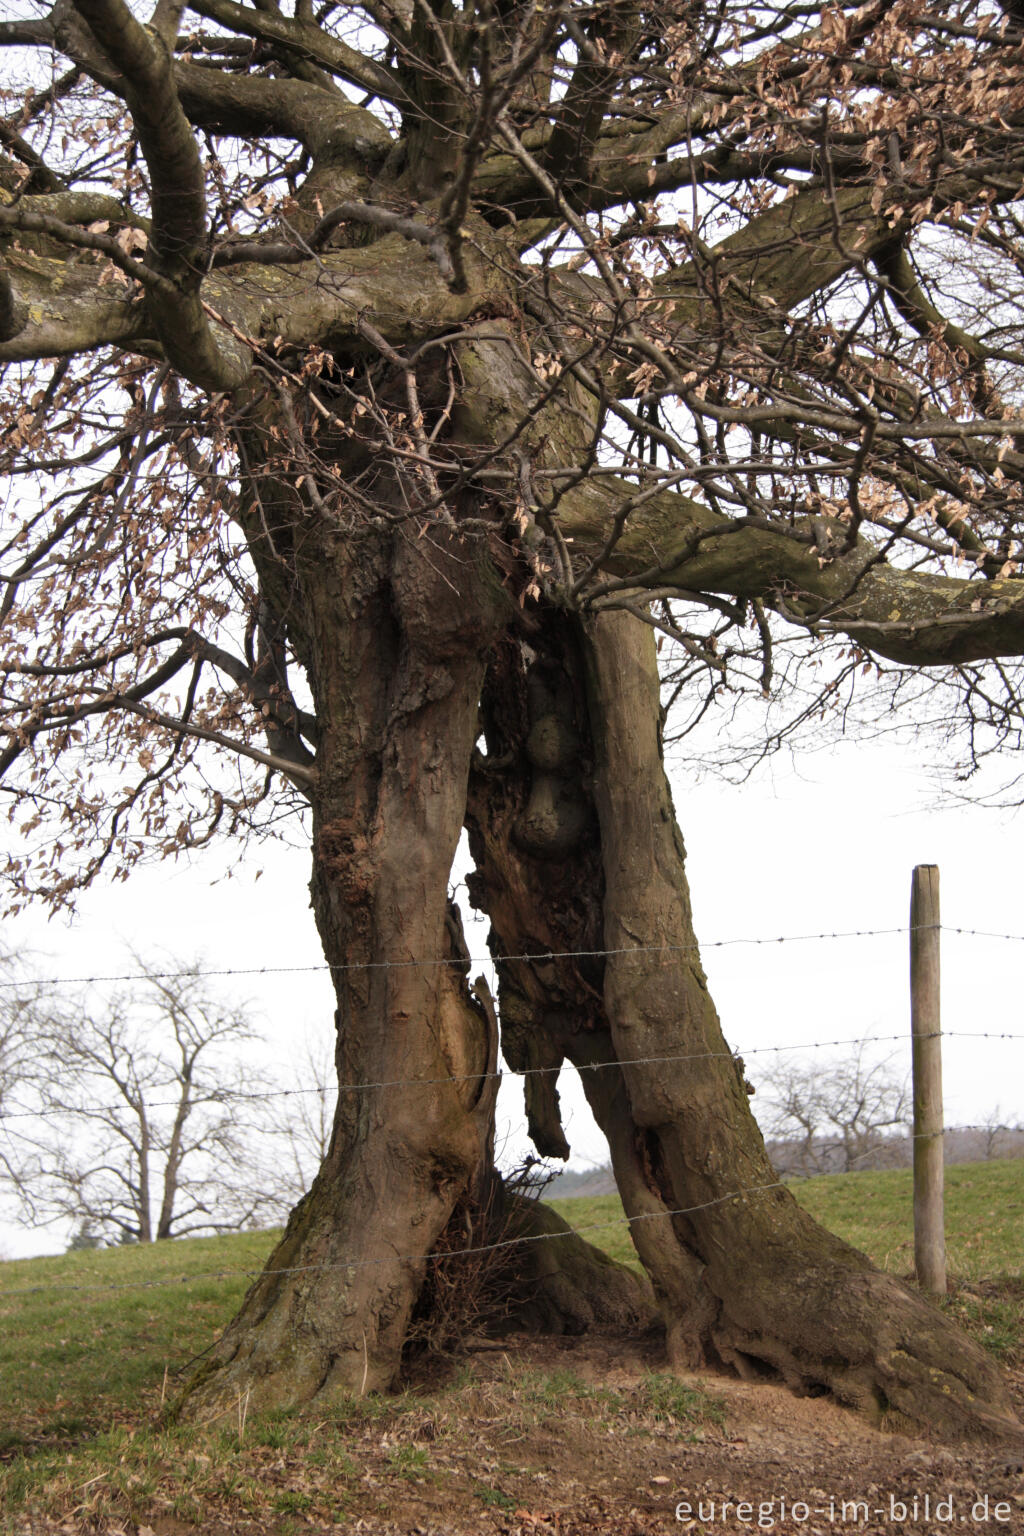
(827, 850)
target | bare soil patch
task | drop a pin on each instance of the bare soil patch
(592, 1435)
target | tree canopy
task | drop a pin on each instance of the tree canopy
(764, 360)
(377, 376)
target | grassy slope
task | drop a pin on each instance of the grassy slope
(84, 1352)
(79, 1347)
(88, 1344)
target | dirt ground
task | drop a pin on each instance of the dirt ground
(774, 1451)
(482, 1459)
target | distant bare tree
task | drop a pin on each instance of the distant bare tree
(14, 1052)
(839, 1113)
(12, 1060)
(1001, 1135)
(141, 1131)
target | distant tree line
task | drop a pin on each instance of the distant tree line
(970, 1144)
(839, 1115)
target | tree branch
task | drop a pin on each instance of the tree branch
(141, 58)
(307, 40)
(908, 616)
(25, 217)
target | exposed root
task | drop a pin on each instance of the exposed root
(877, 1346)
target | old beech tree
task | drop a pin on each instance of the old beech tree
(379, 377)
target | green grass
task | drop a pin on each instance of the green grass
(874, 1212)
(599, 1219)
(494, 1498)
(76, 1351)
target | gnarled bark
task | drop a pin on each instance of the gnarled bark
(742, 1274)
(398, 690)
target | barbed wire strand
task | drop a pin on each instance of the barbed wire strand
(539, 956)
(244, 1096)
(252, 1272)
(408, 1258)
(739, 1054)
(341, 967)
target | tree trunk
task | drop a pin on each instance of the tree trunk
(399, 665)
(741, 1273)
(779, 1292)
(400, 675)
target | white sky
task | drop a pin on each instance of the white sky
(829, 851)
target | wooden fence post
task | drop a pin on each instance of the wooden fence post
(925, 1023)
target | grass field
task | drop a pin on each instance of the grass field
(91, 1343)
(873, 1211)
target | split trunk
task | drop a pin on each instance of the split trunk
(578, 859)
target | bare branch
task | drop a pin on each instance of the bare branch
(178, 195)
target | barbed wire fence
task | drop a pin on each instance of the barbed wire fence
(460, 962)
(540, 956)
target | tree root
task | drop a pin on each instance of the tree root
(565, 1285)
(873, 1342)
